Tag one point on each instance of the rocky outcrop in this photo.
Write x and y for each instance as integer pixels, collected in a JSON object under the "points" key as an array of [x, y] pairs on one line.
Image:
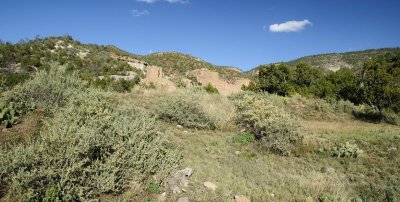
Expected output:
{"points": [[155, 75], [206, 76]]}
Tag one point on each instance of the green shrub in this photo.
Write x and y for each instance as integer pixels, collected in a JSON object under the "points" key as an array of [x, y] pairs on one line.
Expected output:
{"points": [[8, 114], [244, 138], [211, 89], [272, 126], [373, 115], [184, 108], [346, 150], [47, 91], [88, 148], [153, 187], [123, 85], [344, 106]]}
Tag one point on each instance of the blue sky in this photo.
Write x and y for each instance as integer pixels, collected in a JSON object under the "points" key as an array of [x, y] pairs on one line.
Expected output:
{"points": [[241, 33]]}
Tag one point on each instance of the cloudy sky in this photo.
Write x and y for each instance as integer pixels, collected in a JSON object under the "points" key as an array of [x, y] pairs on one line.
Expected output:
{"points": [[241, 33]]}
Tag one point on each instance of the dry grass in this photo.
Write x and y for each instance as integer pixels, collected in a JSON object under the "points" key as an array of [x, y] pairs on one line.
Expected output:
{"points": [[264, 176]]}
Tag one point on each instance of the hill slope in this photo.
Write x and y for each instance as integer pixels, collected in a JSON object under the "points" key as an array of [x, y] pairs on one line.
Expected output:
{"points": [[335, 61], [102, 65]]}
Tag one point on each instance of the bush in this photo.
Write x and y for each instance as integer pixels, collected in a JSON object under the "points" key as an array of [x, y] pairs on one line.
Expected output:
{"points": [[184, 108], [373, 115], [47, 91], [346, 150], [8, 115], [244, 138], [272, 126], [88, 148], [211, 89]]}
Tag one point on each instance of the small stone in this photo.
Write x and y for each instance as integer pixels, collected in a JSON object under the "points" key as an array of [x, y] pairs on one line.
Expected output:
{"points": [[238, 153], [4, 130], [272, 195], [211, 186], [183, 199], [179, 126], [185, 131], [327, 169], [161, 197], [241, 198]]}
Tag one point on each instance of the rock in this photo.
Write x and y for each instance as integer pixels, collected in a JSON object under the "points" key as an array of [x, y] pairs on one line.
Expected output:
{"points": [[161, 197], [4, 130], [272, 195], [179, 126], [211, 186], [327, 169], [241, 198], [185, 131], [183, 199], [238, 153], [179, 180]]}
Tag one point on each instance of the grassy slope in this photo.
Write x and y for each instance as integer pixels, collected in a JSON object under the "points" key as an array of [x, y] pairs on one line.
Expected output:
{"points": [[267, 177]]}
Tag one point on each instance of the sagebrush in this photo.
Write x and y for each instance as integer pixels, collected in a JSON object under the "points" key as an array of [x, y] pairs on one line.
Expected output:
{"points": [[275, 129], [185, 109], [88, 148]]}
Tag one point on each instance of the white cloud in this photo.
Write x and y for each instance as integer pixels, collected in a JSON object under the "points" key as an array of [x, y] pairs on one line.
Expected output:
{"points": [[289, 26], [169, 1], [147, 1], [139, 13], [177, 1]]}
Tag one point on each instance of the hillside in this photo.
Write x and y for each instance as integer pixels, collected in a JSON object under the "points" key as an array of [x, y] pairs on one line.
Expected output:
{"points": [[335, 61], [109, 66], [351, 60], [179, 64]]}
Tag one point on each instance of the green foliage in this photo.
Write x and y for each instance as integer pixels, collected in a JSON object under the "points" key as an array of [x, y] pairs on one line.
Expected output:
{"points": [[276, 79], [272, 126], [185, 109], [353, 60], [9, 80], [150, 85], [243, 138], [87, 149], [346, 150], [373, 115], [123, 85], [210, 88], [153, 187], [47, 91], [8, 114], [381, 83]]}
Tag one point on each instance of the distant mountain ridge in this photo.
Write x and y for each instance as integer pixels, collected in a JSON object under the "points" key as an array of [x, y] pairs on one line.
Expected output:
{"points": [[335, 61]]}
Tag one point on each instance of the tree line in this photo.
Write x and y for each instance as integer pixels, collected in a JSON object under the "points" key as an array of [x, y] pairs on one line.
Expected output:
{"points": [[376, 84]]}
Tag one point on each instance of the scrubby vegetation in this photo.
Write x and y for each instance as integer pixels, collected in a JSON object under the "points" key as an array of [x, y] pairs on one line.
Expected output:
{"points": [[18, 61], [274, 127], [186, 110], [89, 147], [376, 84], [70, 131]]}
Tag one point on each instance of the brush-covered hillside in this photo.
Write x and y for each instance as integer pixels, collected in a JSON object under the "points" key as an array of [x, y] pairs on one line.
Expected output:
{"points": [[351, 60], [176, 63], [81, 122], [335, 61], [107, 67]]}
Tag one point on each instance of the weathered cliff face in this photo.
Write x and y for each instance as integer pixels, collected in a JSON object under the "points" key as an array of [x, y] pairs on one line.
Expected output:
{"points": [[205, 76], [155, 75]]}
